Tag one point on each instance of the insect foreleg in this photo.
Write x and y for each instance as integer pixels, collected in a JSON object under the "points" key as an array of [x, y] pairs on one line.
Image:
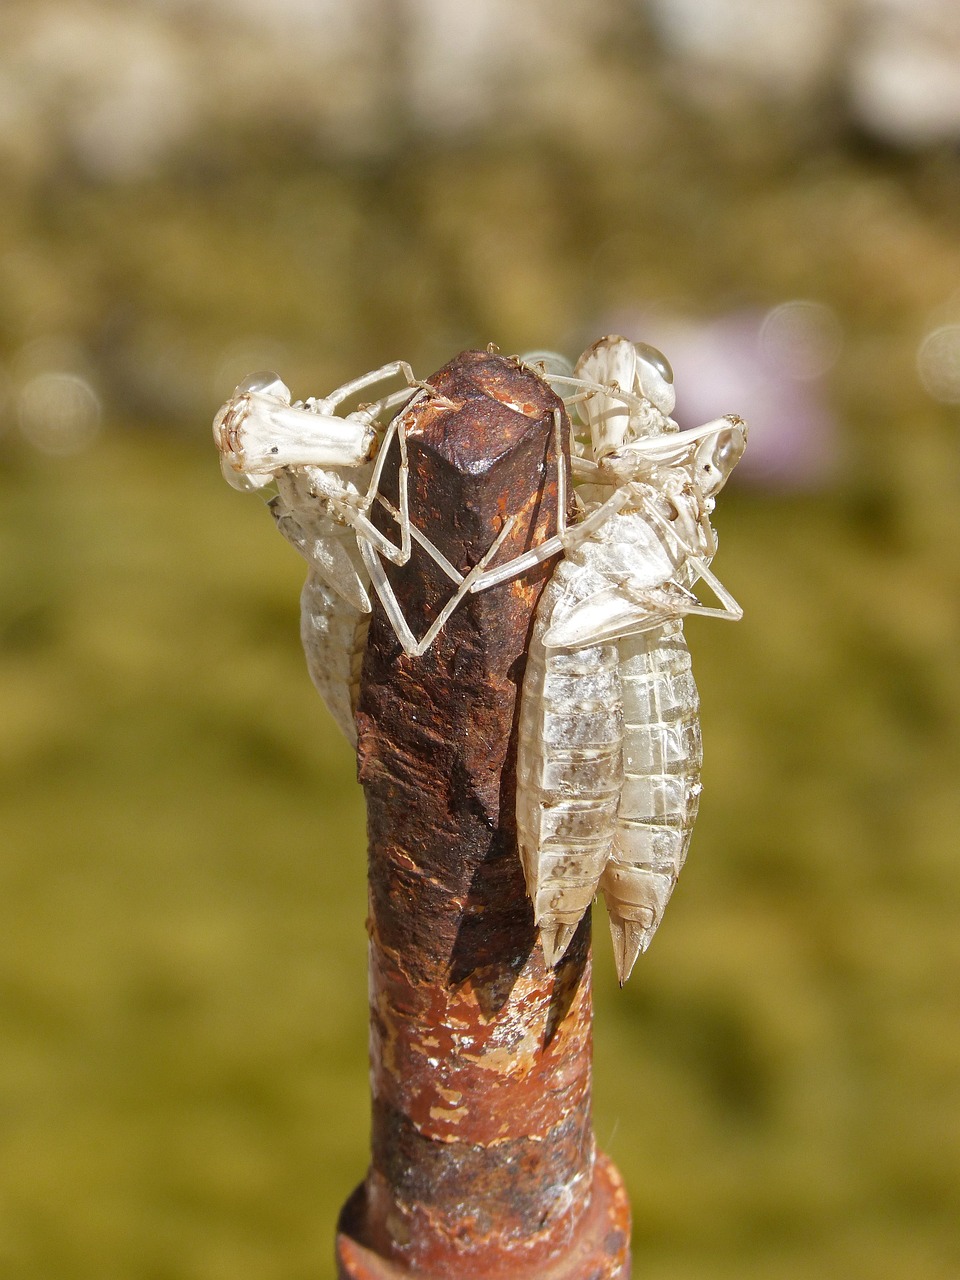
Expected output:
{"points": [[586, 389], [381, 584], [691, 558], [573, 536], [731, 610], [360, 522], [353, 512], [401, 554], [356, 385], [561, 475]]}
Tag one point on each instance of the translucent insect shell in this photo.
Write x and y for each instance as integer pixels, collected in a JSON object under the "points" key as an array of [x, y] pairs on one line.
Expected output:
{"points": [[609, 745], [326, 481], [609, 749]]}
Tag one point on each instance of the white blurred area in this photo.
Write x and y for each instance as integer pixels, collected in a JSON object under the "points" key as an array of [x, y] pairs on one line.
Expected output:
{"points": [[59, 413], [50, 393], [895, 64], [115, 94], [117, 88], [905, 73], [938, 363], [748, 47]]}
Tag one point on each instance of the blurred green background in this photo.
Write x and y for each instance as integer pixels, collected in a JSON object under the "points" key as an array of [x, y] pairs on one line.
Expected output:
{"points": [[197, 188]]}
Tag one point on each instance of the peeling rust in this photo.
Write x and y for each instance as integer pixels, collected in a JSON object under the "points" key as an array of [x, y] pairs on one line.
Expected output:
{"points": [[483, 1159]]}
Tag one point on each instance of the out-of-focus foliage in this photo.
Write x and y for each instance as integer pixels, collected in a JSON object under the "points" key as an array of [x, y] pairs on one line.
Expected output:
{"points": [[183, 1021]]}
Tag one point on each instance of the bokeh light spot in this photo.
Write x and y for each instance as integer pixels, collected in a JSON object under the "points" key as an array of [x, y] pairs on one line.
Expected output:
{"points": [[59, 413], [938, 363], [802, 339]]}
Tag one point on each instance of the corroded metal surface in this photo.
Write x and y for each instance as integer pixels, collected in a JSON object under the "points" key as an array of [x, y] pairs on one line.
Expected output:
{"points": [[483, 1159], [598, 1249]]}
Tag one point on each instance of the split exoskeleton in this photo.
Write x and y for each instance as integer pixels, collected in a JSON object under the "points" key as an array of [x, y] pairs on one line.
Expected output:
{"points": [[326, 469], [609, 746], [609, 753]]}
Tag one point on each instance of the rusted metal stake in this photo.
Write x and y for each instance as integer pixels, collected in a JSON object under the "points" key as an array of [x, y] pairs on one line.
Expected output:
{"points": [[483, 1158]]}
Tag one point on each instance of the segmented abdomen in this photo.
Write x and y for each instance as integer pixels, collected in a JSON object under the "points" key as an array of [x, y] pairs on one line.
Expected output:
{"points": [[609, 753], [662, 756], [568, 767]]}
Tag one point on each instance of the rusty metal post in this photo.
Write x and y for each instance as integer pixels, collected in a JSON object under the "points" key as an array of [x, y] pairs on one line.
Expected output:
{"points": [[483, 1158]]}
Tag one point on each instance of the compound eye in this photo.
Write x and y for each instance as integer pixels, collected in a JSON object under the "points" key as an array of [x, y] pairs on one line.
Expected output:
{"points": [[656, 358], [718, 457], [655, 377], [729, 451], [265, 383]]}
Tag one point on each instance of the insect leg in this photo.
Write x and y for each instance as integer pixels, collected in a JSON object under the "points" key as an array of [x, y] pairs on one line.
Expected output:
{"points": [[513, 568], [421, 538], [561, 475], [732, 611], [467, 584], [395, 398], [572, 537], [401, 554], [464, 587], [356, 385], [369, 535], [381, 584], [615, 392], [701, 571]]}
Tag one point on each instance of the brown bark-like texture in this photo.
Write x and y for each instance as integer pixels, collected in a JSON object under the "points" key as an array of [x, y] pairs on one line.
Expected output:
{"points": [[483, 1159]]}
